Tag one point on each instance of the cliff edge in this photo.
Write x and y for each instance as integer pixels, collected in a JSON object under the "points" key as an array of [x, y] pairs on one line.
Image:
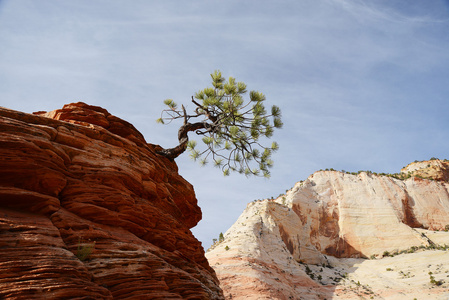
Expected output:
{"points": [[89, 210]]}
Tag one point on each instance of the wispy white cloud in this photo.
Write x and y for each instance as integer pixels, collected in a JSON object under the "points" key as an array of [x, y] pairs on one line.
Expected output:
{"points": [[362, 84]]}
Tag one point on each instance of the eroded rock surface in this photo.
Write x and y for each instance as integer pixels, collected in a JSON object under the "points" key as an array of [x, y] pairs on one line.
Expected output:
{"points": [[322, 238], [433, 169], [361, 215], [78, 181]]}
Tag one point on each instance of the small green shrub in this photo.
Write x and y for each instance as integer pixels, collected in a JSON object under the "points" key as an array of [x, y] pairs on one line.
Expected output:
{"points": [[405, 275], [435, 282], [308, 271], [412, 249], [84, 250]]}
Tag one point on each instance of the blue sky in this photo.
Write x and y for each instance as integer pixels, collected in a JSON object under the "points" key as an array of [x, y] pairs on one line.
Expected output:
{"points": [[363, 85]]}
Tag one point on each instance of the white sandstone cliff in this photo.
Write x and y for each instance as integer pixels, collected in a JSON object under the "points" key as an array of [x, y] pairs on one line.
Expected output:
{"points": [[314, 241]]}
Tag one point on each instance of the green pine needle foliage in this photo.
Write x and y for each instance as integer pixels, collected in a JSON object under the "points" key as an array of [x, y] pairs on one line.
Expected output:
{"points": [[234, 128]]}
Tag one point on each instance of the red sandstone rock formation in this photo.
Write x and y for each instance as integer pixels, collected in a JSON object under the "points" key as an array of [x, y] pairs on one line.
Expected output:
{"points": [[77, 181]]}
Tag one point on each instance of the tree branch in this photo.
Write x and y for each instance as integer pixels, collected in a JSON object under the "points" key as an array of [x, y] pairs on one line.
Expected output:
{"points": [[183, 138], [207, 112]]}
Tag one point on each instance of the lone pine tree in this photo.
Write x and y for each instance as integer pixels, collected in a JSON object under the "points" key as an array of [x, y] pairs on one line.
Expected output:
{"points": [[231, 129]]}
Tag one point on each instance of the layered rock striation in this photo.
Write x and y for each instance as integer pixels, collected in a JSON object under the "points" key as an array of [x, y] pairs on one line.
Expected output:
{"points": [[89, 210], [304, 244]]}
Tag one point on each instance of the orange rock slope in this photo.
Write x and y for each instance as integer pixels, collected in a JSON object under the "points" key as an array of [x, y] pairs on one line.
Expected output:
{"points": [[89, 210]]}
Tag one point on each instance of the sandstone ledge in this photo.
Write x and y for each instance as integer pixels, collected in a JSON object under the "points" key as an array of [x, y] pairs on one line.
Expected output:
{"points": [[78, 176]]}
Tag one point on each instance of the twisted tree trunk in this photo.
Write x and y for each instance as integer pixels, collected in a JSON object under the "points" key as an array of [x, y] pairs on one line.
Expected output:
{"points": [[183, 138]]}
